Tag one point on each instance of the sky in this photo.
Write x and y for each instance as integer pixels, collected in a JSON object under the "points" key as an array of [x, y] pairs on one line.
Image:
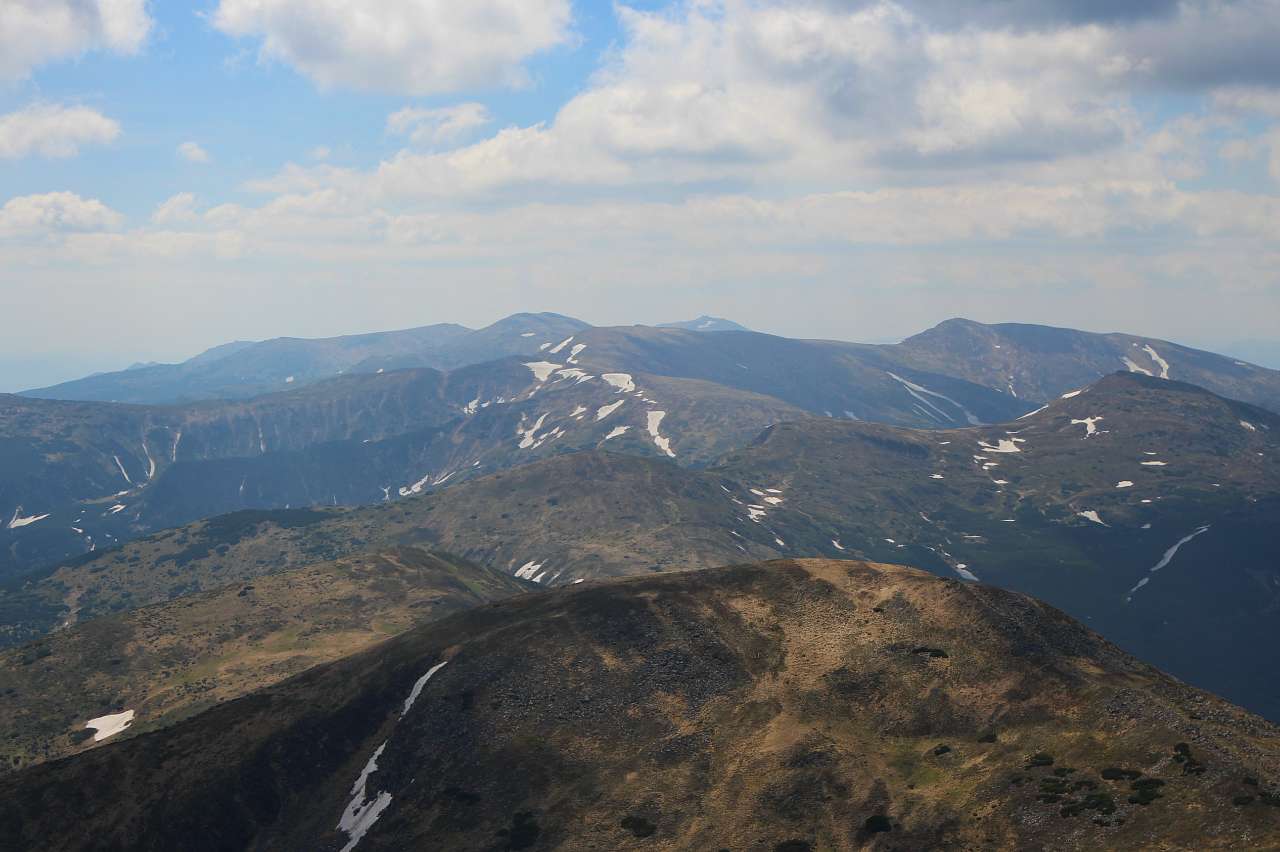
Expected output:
{"points": [[174, 174]]}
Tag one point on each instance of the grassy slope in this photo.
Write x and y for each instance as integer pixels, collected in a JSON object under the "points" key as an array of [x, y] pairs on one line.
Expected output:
{"points": [[171, 660], [749, 707]]}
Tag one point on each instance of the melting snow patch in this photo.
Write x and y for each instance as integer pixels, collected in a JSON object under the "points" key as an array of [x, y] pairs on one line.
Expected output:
{"points": [[361, 813], [542, 370], [916, 390], [654, 422], [1165, 560], [562, 344], [963, 571], [1246, 424], [621, 381], [119, 507], [605, 410], [1072, 394], [1124, 483], [575, 373], [617, 432], [288, 380], [780, 542], [122, 470], [575, 352], [1091, 515], [1090, 425], [527, 435], [528, 569], [836, 544], [417, 687], [1003, 445], [935, 476], [756, 513], [1160, 362], [1134, 368], [1029, 413], [1153, 464], [109, 726], [17, 521]]}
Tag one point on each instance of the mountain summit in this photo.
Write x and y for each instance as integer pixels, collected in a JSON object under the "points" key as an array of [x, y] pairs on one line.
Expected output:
{"points": [[705, 323]]}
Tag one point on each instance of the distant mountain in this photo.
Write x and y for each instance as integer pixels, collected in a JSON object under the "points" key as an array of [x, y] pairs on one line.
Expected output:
{"points": [[84, 475], [171, 660], [797, 705], [241, 370], [1145, 507], [705, 323], [1037, 362]]}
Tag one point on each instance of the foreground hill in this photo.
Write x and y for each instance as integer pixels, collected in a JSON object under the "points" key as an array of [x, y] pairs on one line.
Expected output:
{"points": [[171, 660], [1147, 508], [786, 706], [1040, 362]]}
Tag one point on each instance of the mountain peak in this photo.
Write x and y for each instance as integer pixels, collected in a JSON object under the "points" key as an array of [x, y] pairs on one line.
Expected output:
{"points": [[705, 323]]}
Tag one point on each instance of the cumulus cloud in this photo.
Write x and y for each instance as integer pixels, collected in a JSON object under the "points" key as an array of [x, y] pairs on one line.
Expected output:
{"points": [[55, 213], [34, 32], [418, 47], [430, 127], [193, 153], [53, 130], [176, 209]]}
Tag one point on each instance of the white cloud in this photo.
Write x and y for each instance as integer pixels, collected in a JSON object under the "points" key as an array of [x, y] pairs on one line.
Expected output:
{"points": [[55, 213], [413, 47], [1248, 100], [431, 127], [53, 130], [176, 209], [193, 153], [34, 32]]}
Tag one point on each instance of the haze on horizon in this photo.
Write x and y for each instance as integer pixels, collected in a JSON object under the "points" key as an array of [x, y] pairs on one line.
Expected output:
{"points": [[173, 178]]}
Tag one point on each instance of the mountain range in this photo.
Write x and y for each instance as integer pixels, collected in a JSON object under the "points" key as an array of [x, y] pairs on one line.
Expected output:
{"points": [[258, 525]]}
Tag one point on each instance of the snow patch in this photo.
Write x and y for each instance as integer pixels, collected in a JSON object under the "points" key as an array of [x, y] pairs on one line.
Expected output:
{"points": [[123, 472], [528, 569], [17, 521], [618, 431], [542, 370], [654, 422], [1092, 515], [605, 410], [361, 813], [1158, 361], [1153, 464], [1090, 425], [836, 544], [621, 381], [917, 390], [1124, 483], [1003, 445], [1165, 560], [1071, 394], [1134, 368], [1247, 425], [110, 725], [417, 687], [575, 352], [555, 350]]}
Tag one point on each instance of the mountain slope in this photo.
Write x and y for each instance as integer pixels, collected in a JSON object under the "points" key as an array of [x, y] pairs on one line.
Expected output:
{"points": [[787, 706], [1039, 506], [240, 371], [1038, 362], [169, 661]]}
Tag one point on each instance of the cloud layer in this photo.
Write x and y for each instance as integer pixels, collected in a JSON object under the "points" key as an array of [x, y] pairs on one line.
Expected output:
{"points": [[34, 32], [419, 47]]}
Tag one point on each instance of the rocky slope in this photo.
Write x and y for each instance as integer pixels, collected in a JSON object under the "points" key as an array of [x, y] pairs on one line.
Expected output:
{"points": [[168, 661], [787, 706]]}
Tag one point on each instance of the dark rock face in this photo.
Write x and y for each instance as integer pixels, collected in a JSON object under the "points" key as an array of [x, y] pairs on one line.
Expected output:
{"points": [[706, 710]]}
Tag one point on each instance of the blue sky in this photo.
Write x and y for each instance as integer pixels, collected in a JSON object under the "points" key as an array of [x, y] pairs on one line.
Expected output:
{"points": [[856, 170]]}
